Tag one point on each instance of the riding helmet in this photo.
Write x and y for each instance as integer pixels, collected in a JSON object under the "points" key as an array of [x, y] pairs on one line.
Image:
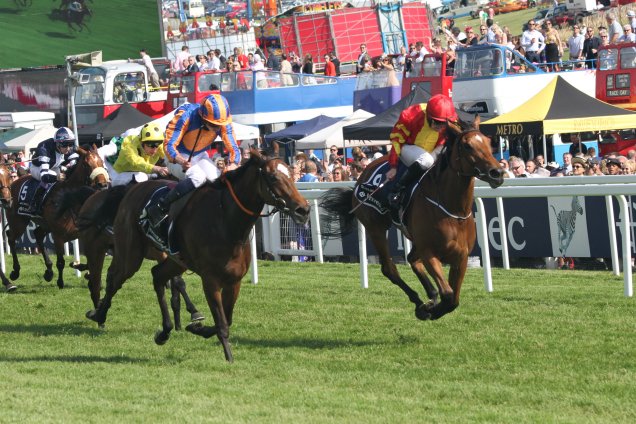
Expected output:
{"points": [[151, 132], [215, 110], [63, 135], [441, 108]]}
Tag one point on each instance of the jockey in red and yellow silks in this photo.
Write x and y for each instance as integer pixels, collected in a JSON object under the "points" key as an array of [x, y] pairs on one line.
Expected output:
{"points": [[189, 135], [417, 138]]}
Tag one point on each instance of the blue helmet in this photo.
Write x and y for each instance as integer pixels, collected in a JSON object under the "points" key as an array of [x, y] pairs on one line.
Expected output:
{"points": [[64, 135]]}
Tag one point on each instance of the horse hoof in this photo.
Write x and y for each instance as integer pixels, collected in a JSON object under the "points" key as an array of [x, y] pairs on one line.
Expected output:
{"points": [[60, 284], [48, 275], [197, 316], [101, 326], [161, 337], [92, 315], [14, 275], [11, 288], [422, 313], [193, 326]]}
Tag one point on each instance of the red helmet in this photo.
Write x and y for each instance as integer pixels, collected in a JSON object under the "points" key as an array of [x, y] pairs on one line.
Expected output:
{"points": [[441, 108]]}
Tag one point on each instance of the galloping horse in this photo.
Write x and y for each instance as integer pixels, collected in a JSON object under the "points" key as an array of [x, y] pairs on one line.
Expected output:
{"points": [[97, 214], [211, 232], [89, 170], [438, 220], [5, 203]]}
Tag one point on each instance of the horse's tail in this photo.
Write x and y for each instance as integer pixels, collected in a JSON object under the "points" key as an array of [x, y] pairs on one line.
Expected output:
{"points": [[101, 211], [336, 203], [72, 198]]}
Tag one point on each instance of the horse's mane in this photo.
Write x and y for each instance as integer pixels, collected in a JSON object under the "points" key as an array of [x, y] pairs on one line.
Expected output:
{"points": [[255, 160], [443, 160]]}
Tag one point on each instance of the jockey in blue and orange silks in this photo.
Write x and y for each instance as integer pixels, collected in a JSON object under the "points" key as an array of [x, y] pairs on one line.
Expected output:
{"points": [[417, 138], [189, 135]]}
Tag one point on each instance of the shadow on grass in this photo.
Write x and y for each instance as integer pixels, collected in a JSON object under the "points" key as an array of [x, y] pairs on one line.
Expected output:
{"points": [[45, 330], [77, 359], [7, 11], [317, 344], [59, 35]]}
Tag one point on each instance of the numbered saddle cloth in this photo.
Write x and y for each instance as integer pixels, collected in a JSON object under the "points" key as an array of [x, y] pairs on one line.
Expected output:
{"points": [[26, 197], [364, 191]]}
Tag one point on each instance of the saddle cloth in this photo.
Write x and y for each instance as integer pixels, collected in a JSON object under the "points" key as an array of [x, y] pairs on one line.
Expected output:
{"points": [[379, 201], [163, 237], [26, 196]]}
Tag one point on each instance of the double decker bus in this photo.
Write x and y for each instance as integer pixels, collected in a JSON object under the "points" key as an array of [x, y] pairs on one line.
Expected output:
{"points": [[616, 75]]}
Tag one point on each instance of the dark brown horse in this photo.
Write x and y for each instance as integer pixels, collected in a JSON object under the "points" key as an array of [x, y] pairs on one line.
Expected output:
{"points": [[94, 223], [88, 171], [212, 233], [439, 219], [5, 203]]}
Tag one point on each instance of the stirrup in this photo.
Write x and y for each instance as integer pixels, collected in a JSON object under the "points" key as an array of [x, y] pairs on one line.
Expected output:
{"points": [[154, 214]]}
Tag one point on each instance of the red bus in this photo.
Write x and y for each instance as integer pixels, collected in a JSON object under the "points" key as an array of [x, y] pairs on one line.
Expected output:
{"points": [[616, 75]]}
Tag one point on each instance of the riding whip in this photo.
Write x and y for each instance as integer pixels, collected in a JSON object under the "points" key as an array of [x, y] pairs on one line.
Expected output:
{"points": [[195, 145]]}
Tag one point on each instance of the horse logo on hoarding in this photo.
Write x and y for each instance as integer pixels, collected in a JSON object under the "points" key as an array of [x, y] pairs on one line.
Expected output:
{"points": [[566, 224]]}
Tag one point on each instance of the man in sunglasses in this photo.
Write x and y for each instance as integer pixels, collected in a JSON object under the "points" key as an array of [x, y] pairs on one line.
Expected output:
{"points": [[52, 157], [189, 136], [139, 155]]}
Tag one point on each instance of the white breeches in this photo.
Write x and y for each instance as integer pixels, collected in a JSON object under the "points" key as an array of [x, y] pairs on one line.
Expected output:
{"points": [[37, 172], [411, 153], [201, 170], [126, 177]]}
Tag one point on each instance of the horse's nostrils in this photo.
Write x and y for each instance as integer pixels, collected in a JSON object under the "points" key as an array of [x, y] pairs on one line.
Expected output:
{"points": [[302, 214], [496, 177]]}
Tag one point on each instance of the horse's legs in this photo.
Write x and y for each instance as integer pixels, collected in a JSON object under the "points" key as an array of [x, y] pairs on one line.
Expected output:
{"points": [[178, 287], [379, 240], [16, 229], [59, 262], [449, 293], [95, 255], [161, 273], [418, 268], [212, 290], [175, 303], [118, 272], [39, 233], [230, 296]]}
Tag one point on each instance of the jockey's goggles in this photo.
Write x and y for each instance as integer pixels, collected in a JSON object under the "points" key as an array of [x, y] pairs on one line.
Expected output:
{"points": [[66, 144], [153, 145]]}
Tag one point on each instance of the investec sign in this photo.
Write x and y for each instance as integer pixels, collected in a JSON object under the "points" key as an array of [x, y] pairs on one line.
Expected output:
{"points": [[509, 129]]}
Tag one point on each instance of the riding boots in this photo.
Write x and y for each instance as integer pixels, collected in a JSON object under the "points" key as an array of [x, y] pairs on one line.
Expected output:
{"points": [[157, 213], [412, 173]]}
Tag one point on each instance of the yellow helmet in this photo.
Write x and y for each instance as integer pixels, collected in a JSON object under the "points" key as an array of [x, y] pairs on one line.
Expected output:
{"points": [[151, 132]]}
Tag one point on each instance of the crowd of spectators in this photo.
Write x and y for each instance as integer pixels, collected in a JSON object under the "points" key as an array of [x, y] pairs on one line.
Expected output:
{"points": [[16, 163]]}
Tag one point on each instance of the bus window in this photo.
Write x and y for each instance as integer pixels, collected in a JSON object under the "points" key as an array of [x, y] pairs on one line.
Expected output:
{"points": [[628, 58], [129, 87], [227, 81], [91, 92], [607, 59], [209, 82], [175, 85], [244, 80], [187, 84]]}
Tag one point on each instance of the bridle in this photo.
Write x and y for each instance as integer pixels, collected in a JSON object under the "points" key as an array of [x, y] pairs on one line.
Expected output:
{"points": [[266, 181], [461, 151]]}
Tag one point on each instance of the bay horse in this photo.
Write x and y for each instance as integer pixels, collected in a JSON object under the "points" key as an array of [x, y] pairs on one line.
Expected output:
{"points": [[212, 233], [5, 204], [94, 225], [438, 220], [89, 170]]}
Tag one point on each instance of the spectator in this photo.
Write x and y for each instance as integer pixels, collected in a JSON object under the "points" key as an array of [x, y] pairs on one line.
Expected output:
{"points": [[567, 163], [594, 167], [336, 62], [338, 174], [590, 48], [613, 166], [553, 47], [631, 18], [575, 45], [184, 54], [286, 71], [628, 36], [518, 168], [222, 59], [579, 167], [192, 66], [532, 42], [311, 171], [363, 58], [273, 62], [577, 146], [330, 68], [531, 166], [615, 31], [504, 164]]}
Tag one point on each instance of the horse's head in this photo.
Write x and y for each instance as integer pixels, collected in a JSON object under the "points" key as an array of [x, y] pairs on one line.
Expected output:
{"points": [[90, 169], [5, 186], [278, 189], [471, 153]]}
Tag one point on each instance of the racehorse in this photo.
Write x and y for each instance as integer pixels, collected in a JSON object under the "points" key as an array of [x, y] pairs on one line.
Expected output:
{"points": [[89, 170], [5, 203], [438, 220], [76, 13], [95, 217], [211, 233]]}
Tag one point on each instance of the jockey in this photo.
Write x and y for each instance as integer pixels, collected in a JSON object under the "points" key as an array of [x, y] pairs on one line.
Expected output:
{"points": [[52, 157], [138, 156], [417, 138], [189, 135]]}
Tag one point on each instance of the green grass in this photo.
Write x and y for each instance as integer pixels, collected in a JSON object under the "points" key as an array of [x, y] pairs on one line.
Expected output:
{"points": [[118, 27], [311, 346]]}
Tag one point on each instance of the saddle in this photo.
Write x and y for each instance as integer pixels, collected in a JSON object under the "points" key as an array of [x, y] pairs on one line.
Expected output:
{"points": [[27, 195], [374, 191], [163, 236]]}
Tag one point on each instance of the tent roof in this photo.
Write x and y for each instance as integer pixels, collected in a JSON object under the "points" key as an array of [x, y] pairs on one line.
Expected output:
{"points": [[332, 135], [379, 127], [30, 139], [560, 108], [116, 123], [298, 131]]}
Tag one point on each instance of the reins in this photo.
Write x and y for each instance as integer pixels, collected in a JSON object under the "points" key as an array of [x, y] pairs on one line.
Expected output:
{"points": [[238, 202]]}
